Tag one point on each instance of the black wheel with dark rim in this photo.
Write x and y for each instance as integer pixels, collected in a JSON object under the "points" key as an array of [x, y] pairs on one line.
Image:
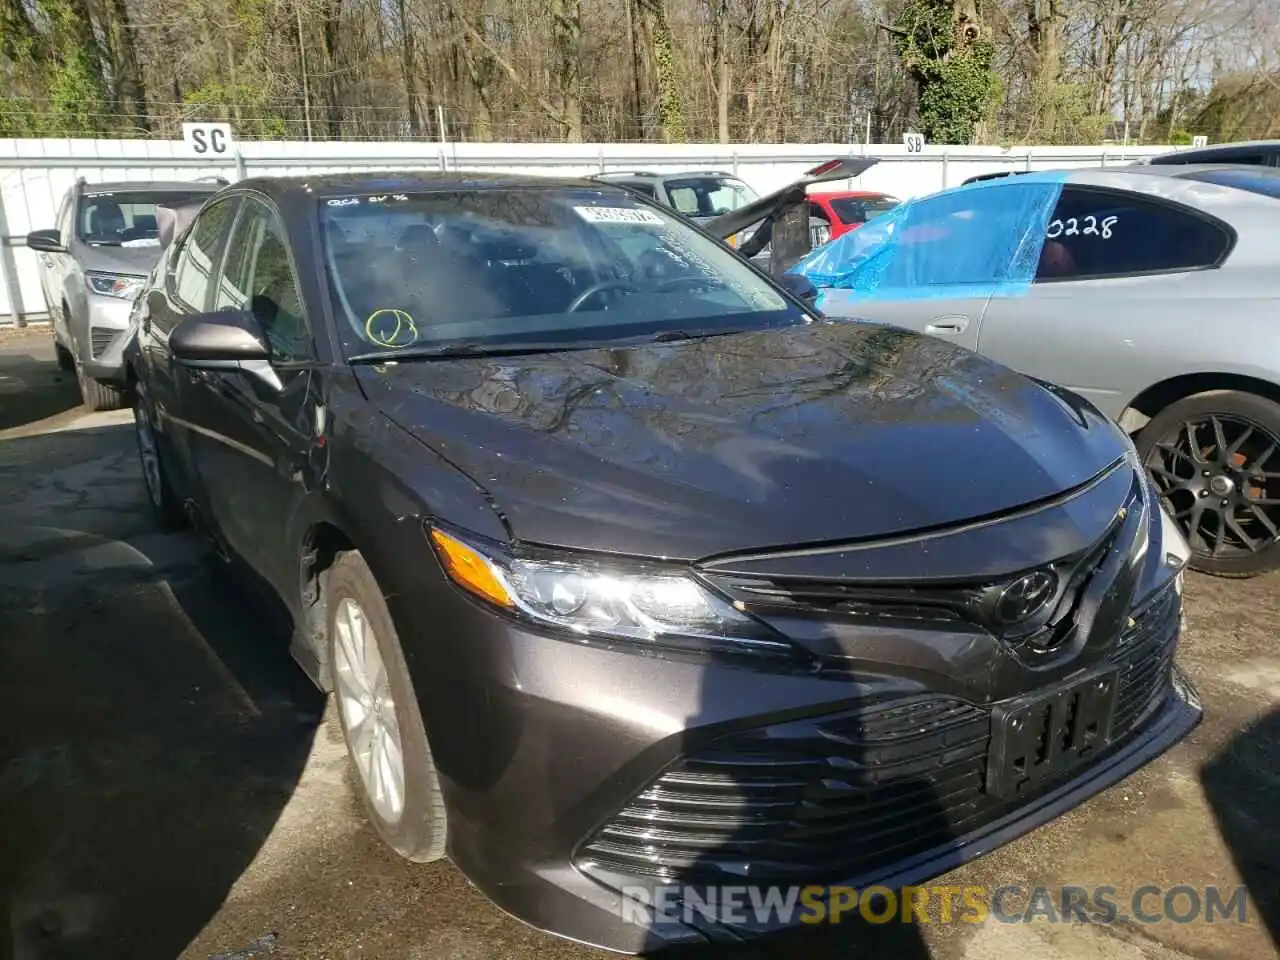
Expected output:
{"points": [[164, 504], [1215, 457]]}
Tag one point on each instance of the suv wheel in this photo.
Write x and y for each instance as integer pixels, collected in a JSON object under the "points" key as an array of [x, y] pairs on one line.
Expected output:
{"points": [[381, 722], [98, 396]]}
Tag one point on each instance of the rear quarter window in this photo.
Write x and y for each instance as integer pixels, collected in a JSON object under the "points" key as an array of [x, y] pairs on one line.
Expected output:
{"points": [[1096, 233]]}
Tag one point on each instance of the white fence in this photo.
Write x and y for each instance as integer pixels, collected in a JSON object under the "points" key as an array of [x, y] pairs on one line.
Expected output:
{"points": [[34, 174]]}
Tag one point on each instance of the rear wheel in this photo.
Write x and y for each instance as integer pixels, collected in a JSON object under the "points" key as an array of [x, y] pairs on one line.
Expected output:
{"points": [[164, 504], [1215, 458], [378, 709]]}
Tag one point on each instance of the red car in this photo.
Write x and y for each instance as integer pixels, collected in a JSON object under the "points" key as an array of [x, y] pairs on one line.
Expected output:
{"points": [[845, 210]]}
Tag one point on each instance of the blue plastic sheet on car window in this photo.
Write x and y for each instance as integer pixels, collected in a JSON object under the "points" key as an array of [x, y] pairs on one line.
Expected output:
{"points": [[981, 239]]}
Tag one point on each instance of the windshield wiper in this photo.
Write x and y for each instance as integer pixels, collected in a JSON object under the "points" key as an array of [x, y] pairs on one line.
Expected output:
{"points": [[669, 336], [463, 350]]}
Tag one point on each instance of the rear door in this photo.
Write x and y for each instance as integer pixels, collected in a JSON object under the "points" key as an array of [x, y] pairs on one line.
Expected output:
{"points": [[1126, 285], [186, 290]]}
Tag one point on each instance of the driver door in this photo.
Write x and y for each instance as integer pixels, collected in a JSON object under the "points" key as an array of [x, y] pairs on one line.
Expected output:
{"points": [[265, 419]]}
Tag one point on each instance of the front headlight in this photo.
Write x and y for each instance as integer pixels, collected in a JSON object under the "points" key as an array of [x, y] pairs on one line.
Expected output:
{"points": [[114, 285], [598, 598]]}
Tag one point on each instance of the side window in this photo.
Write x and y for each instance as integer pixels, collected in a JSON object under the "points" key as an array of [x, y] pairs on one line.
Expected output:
{"points": [[647, 189], [199, 255], [258, 277], [973, 236], [1103, 233]]}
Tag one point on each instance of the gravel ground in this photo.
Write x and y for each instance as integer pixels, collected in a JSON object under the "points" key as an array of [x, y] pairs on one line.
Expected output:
{"points": [[170, 785]]}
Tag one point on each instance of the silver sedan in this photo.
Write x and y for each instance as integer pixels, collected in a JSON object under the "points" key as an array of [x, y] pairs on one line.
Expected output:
{"points": [[1153, 291]]}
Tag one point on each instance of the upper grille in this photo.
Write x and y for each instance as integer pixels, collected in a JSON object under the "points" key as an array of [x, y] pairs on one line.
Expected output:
{"points": [[841, 795], [100, 339]]}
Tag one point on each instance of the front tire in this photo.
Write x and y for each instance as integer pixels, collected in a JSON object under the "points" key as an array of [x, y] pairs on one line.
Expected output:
{"points": [[65, 360], [1215, 458], [99, 396], [381, 723]]}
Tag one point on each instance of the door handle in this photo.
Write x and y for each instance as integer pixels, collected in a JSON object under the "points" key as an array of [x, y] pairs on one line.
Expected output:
{"points": [[947, 326]]}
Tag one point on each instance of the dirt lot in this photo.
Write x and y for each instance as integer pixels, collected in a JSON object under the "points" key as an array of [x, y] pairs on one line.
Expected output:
{"points": [[171, 787]]}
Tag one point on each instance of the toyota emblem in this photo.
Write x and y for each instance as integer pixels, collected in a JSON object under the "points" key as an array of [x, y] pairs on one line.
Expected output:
{"points": [[1025, 597]]}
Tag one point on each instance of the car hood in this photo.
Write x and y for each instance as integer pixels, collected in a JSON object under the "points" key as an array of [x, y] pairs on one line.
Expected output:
{"points": [[127, 260], [820, 433]]}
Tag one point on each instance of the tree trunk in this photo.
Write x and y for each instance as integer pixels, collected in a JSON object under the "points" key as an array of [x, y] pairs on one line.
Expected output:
{"points": [[130, 91], [566, 27], [670, 97]]}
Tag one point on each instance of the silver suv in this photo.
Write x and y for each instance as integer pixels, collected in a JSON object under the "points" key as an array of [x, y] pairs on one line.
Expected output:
{"points": [[93, 263]]}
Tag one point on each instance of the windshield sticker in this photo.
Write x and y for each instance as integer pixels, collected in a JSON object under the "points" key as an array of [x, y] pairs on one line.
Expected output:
{"points": [[391, 328], [1082, 227], [344, 202], [618, 215]]}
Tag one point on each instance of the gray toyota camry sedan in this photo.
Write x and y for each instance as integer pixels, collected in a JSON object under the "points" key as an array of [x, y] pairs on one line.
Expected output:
{"points": [[632, 576]]}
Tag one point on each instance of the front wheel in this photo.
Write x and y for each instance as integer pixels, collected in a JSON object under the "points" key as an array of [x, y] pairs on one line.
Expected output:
{"points": [[378, 709], [1215, 457], [98, 396]]}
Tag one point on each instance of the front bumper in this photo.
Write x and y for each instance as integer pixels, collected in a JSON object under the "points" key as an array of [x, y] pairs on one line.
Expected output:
{"points": [[571, 771], [102, 350]]}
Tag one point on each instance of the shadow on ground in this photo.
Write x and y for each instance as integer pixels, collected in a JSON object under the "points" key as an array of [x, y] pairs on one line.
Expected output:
{"points": [[1242, 784], [33, 388], [154, 732]]}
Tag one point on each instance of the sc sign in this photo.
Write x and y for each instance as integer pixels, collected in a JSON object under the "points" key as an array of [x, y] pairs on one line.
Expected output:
{"points": [[208, 139]]}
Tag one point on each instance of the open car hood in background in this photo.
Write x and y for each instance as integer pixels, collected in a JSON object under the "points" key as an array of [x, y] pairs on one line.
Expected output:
{"points": [[787, 212]]}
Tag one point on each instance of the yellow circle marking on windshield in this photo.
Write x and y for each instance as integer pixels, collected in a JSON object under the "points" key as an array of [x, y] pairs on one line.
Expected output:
{"points": [[403, 323]]}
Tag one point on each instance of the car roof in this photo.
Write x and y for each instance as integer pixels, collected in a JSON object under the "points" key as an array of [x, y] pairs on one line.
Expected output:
{"points": [[151, 186], [304, 186], [1243, 146], [651, 175], [1190, 169], [853, 194]]}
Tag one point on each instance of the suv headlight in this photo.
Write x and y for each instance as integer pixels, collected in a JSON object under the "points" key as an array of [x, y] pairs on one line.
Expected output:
{"points": [[589, 598], [117, 285]]}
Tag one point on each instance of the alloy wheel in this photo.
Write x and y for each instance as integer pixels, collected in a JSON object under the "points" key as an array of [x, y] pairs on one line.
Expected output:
{"points": [[368, 711], [1220, 477]]}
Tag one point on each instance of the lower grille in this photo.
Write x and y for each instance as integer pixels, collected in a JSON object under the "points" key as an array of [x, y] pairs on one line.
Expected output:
{"points": [[100, 339], [842, 795]]}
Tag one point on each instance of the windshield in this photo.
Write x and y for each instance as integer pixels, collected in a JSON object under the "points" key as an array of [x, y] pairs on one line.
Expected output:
{"points": [[127, 218], [862, 209], [505, 266], [708, 196]]}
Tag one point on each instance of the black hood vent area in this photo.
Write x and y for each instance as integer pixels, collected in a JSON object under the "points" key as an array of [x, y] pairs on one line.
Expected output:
{"points": [[840, 797]]}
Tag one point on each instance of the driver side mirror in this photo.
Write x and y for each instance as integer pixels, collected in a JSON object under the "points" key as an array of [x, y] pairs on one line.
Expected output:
{"points": [[224, 340], [46, 241], [800, 287]]}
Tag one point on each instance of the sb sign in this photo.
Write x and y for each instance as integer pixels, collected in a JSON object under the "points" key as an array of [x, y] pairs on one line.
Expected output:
{"points": [[208, 139]]}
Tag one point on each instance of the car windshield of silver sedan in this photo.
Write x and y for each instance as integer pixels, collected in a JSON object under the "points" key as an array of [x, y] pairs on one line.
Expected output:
{"points": [[494, 268]]}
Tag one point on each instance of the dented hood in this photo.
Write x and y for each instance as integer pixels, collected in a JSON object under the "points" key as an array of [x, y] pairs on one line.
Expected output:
{"points": [[819, 433]]}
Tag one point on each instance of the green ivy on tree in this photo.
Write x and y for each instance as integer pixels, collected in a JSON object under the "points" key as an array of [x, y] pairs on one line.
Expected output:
{"points": [[950, 59]]}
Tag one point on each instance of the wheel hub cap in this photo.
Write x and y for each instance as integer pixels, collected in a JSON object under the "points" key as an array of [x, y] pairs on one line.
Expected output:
{"points": [[1220, 478], [367, 705]]}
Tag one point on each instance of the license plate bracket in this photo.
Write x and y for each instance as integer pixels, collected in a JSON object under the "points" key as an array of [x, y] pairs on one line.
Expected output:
{"points": [[1043, 735]]}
